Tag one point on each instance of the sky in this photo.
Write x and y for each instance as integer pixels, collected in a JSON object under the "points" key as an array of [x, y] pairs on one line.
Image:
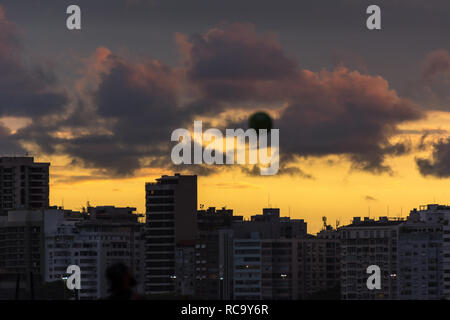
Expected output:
{"points": [[363, 114]]}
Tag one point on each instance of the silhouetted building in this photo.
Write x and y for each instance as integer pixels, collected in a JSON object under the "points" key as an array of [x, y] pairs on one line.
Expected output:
{"points": [[286, 268], [265, 256], [24, 184], [184, 279], [22, 247], [270, 225], [420, 260], [318, 271], [94, 241], [209, 277], [171, 219], [226, 263], [431, 215], [279, 269], [364, 243], [247, 268]]}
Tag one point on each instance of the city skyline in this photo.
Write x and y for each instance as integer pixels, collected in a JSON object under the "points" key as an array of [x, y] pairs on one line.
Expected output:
{"points": [[315, 225], [363, 115], [312, 214], [212, 253]]}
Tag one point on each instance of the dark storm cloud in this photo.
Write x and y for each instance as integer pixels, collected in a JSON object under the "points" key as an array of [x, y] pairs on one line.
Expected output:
{"points": [[432, 87], [236, 52], [23, 92], [136, 107], [285, 169], [439, 164], [8, 143], [436, 62], [348, 113], [436, 78], [233, 63], [340, 112], [124, 122]]}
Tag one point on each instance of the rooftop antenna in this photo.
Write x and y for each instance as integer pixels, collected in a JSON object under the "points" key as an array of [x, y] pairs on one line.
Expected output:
{"points": [[338, 223], [324, 219], [289, 211]]}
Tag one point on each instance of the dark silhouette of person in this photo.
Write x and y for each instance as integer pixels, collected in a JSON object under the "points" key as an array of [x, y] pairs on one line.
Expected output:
{"points": [[121, 282]]}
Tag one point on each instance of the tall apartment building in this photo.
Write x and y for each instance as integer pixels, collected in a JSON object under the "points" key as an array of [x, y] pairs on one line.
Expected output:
{"points": [[431, 215], [226, 263], [95, 240], [279, 269], [364, 243], [171, 219], [285, 269], [185, 269], [24, 184], [318, 270], [413, 255], [420, 260], [247, 283], [22, 249], [209, 277], [265, 256]]}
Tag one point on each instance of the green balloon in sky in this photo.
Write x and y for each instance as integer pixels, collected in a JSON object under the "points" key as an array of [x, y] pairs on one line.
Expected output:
{"points": [[260, 120]]}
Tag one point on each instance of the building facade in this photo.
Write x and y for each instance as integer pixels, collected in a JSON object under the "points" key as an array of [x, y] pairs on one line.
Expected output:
{"points": [[247, 284], [318, 271], [364, 243], [431, 215], [93, 241], [210, 279], [420, 260], [171, 219], [22, 249], [24, 184]]}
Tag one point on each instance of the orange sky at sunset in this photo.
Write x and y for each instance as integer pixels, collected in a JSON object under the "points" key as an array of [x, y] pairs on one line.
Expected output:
{"points": [[335, 190]]}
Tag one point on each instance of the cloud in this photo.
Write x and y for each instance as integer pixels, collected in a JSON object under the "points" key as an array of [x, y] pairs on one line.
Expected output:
{"points": [[339, 112], [432, 88], [370, 198], [23, 92], [347, 113], [234, 63], [436, 78], [123, 111], [126, 113], [436, 62], [235, 185], [439, 164], [235, 52], [8, 143]]}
